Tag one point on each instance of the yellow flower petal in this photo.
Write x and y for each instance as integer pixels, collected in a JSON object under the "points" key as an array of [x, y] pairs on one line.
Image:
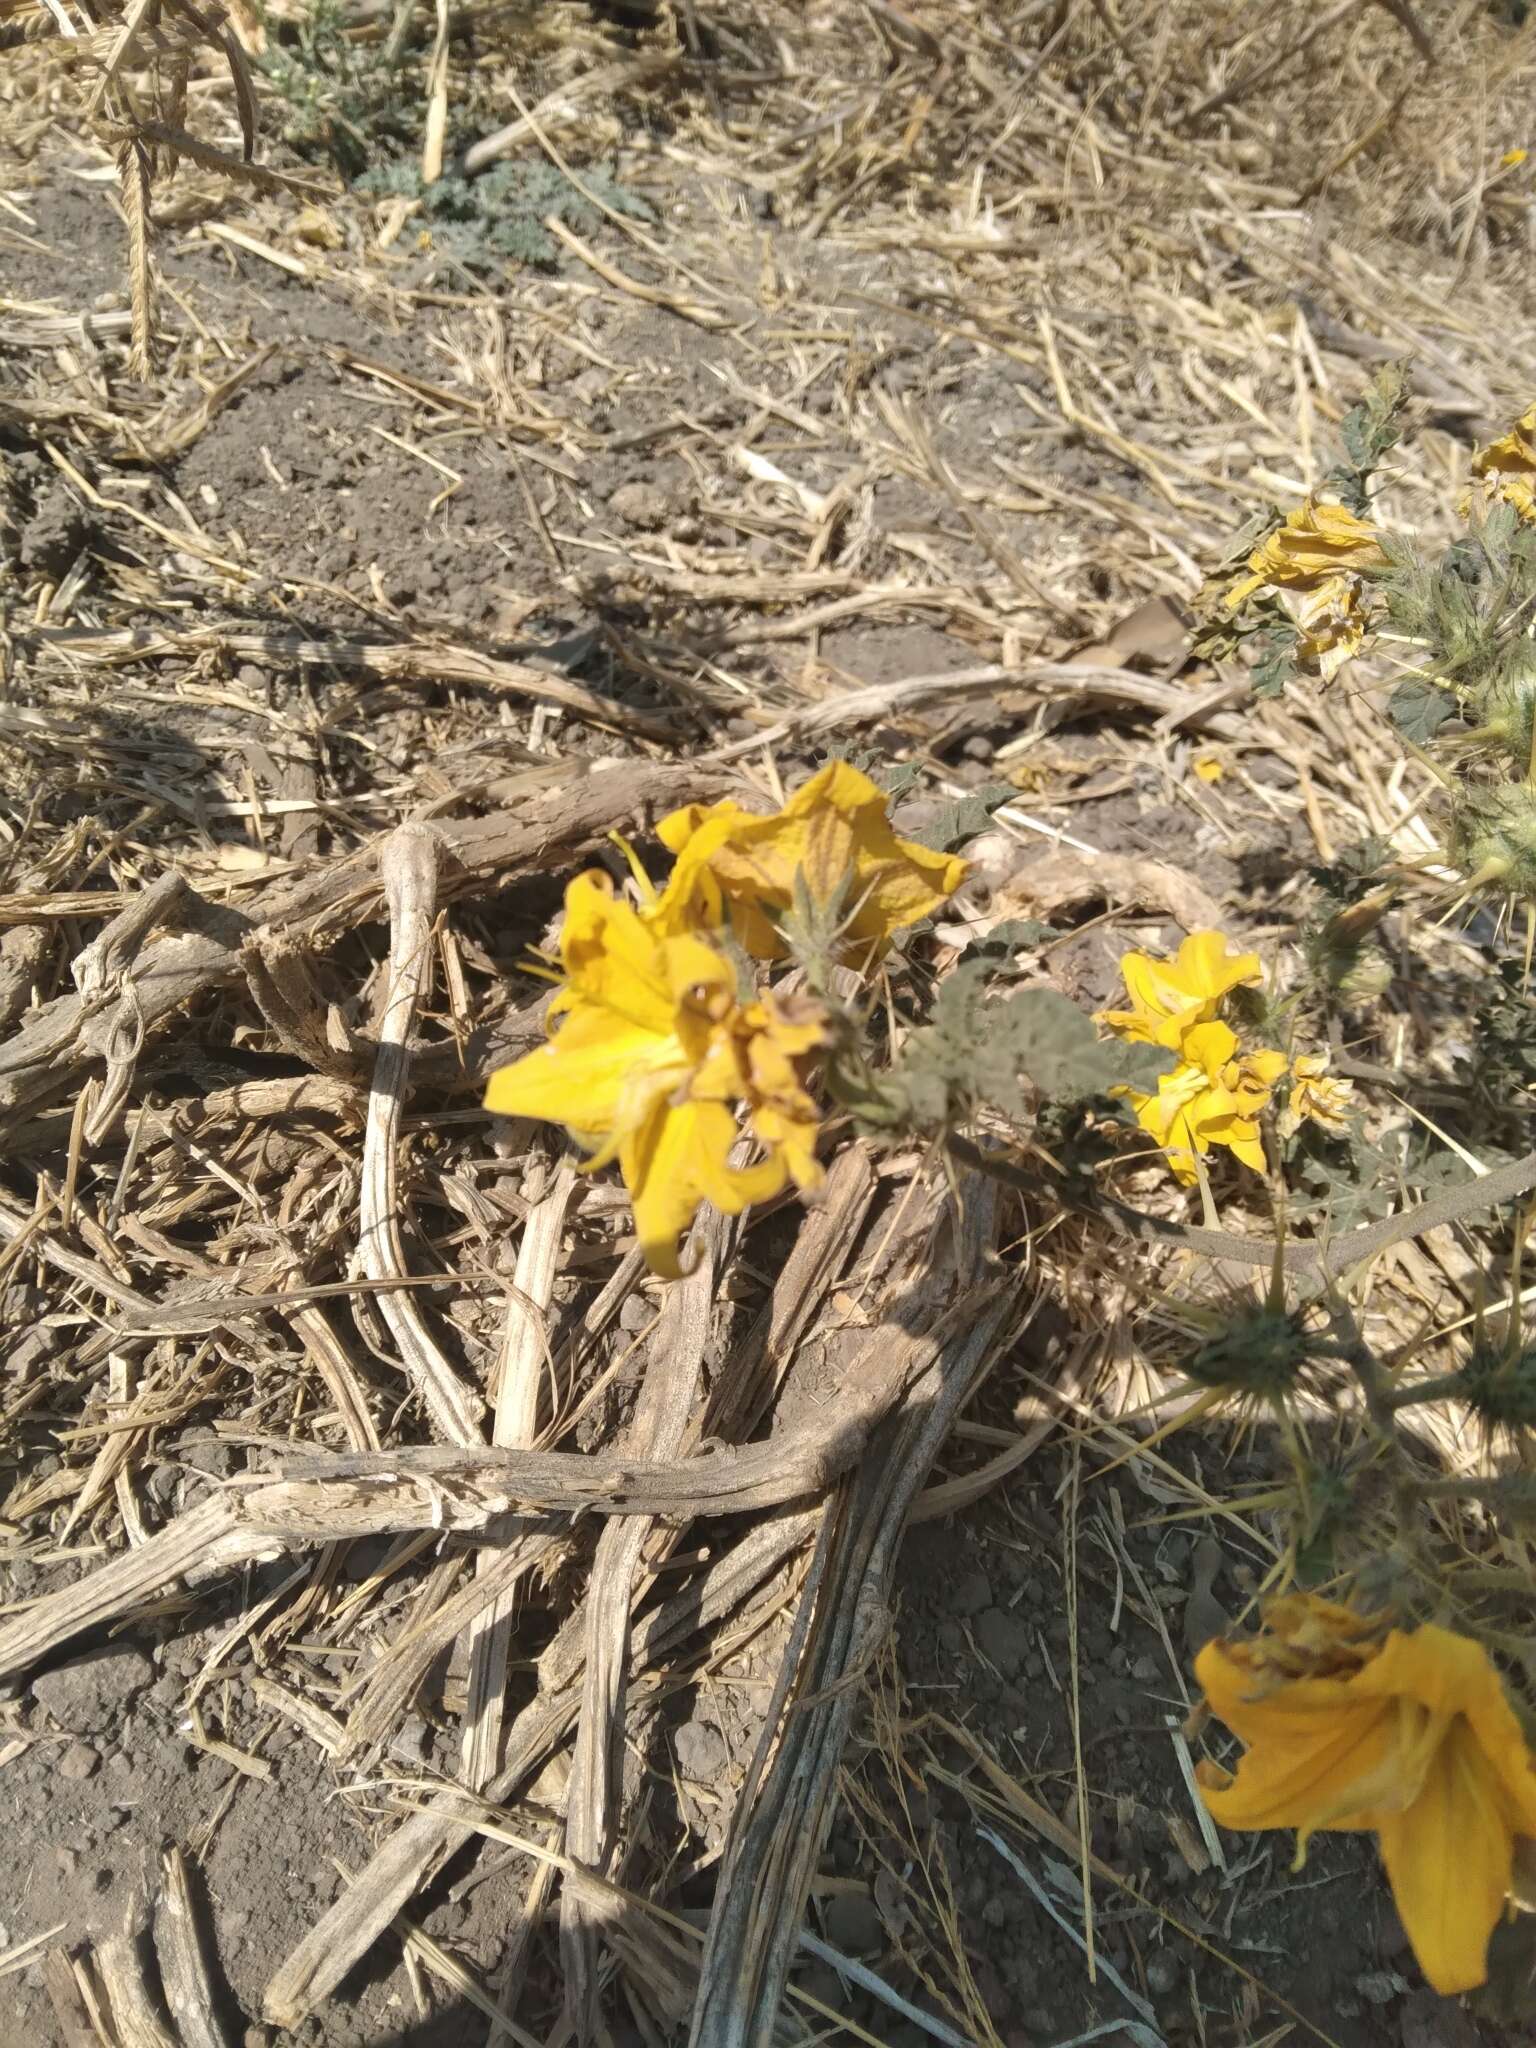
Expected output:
{"points": [[1317, 1094], [610, 957], [1210, 1047], [1242, 1140], [1331, 623], [783, 1116], [1303, 1766], [579, 1078], [678, 1159], [1315, 542], [1507, 466], [1262, 1069], [834, 834], [1170, 997], [1449, 1859], [1411, 1736]]}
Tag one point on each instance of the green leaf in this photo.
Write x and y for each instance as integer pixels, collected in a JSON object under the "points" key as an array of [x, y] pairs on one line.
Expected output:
{"points": [[966, 818], [1053, 1042], [1373, 428], [1276, 665], [1013, 935], [898, 779], [1418, 708]]}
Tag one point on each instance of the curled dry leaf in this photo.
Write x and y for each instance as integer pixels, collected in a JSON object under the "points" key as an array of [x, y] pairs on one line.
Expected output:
{"points": [[1046, 885]]}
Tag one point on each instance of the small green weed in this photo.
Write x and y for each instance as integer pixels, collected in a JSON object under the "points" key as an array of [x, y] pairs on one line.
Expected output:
{"points": [[481, 223]]}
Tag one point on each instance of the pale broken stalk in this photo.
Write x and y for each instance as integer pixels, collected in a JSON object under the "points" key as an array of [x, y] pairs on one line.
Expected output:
{"points": [[524, 1350], [659, 1430], [408, 870]]}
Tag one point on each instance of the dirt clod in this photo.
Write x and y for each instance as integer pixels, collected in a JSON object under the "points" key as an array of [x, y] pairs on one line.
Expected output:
{"points": [[1004, 1640], [89, 1695]]}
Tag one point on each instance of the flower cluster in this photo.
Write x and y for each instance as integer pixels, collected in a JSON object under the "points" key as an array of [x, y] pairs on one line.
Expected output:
{"points": [[1314, 564], [1216, 1094], [666, 1052], [1353, 1726]]}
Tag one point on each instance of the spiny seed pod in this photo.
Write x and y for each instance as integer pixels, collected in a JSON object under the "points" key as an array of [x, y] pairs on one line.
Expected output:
{"points": [[1492, 839], [1366, 977], [1499, 1386], [1509, 719], [1340, 952], [1262, 1354]]}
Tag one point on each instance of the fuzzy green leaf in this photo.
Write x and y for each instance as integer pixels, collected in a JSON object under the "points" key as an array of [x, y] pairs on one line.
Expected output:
{"points": [[977, 1050], [1276, 665], [1013, 935], [1418, 708], [964, 819]]}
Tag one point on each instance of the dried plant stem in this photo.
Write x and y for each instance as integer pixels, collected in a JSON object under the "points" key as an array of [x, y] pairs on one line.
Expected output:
{"points": [[660, 1425], [183, 1962], [408, 866], [782, 1815], [565, 815], [64, 1995], [120, 1964], [524, 1355], [1328, 1257], [442, 1487], [420, 1845]]}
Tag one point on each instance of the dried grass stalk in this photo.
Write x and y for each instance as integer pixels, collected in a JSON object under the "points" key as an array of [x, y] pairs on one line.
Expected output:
{"points": [[524, 1355], [133, 177], [408, 867], [667, 1397], [184, 1968], [122, 1967]]}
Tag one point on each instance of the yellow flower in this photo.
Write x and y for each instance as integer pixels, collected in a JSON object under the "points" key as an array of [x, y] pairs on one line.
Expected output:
{"points": [[1170, 997], [1210, 1098], [1330, 623], [1208, 767], [1316, 542], [1408, 1736], [654, 1053], [1512, 158], [834, 833], [1507, 467], [1317, 1094]]}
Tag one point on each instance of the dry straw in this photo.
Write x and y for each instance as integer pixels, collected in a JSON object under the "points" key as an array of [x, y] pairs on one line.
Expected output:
{"points": [[1174, 256]]}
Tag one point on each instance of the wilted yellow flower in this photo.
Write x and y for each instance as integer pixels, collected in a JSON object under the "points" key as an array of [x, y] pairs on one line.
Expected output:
{"points": [[1507, 467], [1409, 1736], [834, 833], [1212, 1097], [1330, 623], [1317, 1094], [778, 1033], [1170, 997], [1316, 542], [654, 1053]]}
